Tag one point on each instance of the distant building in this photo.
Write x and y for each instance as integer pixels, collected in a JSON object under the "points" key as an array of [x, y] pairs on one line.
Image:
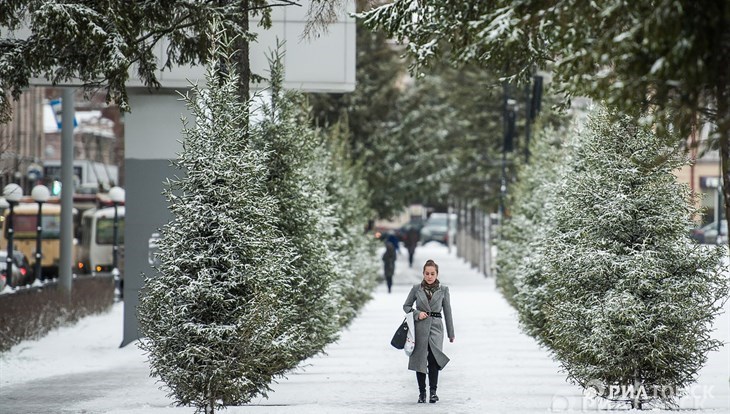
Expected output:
{"points": [[703, 175], [22, 141], [30, 144]]}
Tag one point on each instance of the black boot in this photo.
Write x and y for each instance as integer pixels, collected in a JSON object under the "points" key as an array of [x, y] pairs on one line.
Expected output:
{"points": [[433, 397], [422, 396]]}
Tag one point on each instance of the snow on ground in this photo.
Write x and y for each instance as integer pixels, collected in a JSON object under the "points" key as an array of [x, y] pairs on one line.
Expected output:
{"points": [[494, 367]]}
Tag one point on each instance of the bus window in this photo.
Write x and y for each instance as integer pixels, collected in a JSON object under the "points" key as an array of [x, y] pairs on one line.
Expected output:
{"points": [[105, 231], [24, 227], [86, 231], [51, 227]]}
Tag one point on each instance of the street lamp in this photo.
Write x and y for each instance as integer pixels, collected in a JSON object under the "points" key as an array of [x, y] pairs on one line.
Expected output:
{"points": [[40, 194], [116, 194], [12, 193]]}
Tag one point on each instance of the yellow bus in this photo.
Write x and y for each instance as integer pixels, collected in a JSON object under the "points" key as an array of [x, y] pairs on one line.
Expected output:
{"points": [[25, 216]]}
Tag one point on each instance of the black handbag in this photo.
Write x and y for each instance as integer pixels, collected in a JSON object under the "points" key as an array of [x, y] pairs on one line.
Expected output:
{"points": [[399, 338]]}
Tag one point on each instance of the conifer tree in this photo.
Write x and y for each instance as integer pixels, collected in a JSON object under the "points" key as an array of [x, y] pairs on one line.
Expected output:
{"points": [[630, 297], [526, 277], [354, 250], [530, 199], [302, 213], [367, 112], [216, 317]]}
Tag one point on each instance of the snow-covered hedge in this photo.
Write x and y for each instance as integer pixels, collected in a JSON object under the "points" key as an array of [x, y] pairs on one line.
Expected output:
{"points": [[31, 312]]}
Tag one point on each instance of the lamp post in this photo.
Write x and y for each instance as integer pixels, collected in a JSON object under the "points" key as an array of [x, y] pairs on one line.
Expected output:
{"points": [[40, 194], [12, 193], [116, 194]]}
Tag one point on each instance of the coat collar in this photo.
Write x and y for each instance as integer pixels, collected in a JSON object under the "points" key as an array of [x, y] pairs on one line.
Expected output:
{"points": [[436, 296]]}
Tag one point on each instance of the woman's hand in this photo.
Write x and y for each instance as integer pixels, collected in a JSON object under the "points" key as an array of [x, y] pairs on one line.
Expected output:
{"points": [[422, 316], [452, 339]]}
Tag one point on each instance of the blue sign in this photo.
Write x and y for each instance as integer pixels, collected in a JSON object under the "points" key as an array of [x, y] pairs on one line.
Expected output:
{"points": [[57, 106]]}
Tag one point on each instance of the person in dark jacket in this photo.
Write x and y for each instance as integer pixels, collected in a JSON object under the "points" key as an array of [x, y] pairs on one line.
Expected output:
{"points": [[410, 239], [432, 308], [391, 248]]}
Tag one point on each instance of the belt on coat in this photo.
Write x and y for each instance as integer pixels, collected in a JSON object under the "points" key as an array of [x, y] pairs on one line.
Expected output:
{"points": [[434, 314]]}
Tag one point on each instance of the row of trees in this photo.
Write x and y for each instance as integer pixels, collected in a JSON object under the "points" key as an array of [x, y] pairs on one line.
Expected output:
{"points": [[265, 259], [664, 63], [418, 139], [596, 256], [414, 140], [597, 260]]}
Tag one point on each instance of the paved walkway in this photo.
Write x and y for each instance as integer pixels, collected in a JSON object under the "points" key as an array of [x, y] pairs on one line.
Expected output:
{"points": [[494, 368]]}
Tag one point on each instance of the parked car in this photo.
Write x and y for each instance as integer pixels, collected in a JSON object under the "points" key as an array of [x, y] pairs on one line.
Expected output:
{"points": [[707, 234], [21, 261], [19, 272], [439, 227]]}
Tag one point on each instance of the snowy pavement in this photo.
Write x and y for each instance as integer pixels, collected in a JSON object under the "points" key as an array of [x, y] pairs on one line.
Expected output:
{"points": [[494, 367]]}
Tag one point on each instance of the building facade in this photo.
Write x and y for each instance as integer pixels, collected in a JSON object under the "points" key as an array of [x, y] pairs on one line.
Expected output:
{"points": [[703, 176], [22, 141], [30, 144]]}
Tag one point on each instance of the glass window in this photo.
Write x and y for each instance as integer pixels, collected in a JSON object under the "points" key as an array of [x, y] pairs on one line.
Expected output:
{"points": [[24, 227], [51, 227], [105, 231]]}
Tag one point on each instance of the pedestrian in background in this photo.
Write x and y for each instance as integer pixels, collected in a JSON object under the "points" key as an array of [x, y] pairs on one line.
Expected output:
{"points": [[410, 239], [432, 309], [391, 248]]}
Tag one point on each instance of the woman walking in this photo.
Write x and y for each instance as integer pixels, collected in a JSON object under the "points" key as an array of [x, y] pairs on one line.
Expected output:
{"points": [[433, 306]]}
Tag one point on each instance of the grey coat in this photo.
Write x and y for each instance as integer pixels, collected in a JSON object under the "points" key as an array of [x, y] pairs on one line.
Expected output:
{"points": [[429, 331]]}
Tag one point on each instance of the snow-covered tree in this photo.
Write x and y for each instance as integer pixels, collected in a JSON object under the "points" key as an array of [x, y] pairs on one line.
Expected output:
{"points": [[448, 128], [418, 140], [216, 319], [537, 194], [302, 213], [630, 297], [367, 112], [353, 249], [530, 201]]}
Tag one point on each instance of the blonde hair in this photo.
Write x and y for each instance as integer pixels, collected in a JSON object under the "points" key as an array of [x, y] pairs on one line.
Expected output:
{"points": [[430, 262]]}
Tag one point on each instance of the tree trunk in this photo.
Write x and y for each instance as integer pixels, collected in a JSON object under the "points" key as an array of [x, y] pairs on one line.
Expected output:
{"points": [[242, 53], [723, 130]]}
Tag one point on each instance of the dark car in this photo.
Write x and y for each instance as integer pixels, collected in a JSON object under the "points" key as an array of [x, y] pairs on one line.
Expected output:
{"points": [[26, 271], [707, 234], [21, 270]]}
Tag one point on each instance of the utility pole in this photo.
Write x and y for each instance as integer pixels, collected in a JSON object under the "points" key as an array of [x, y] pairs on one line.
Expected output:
{"points": [[67, 191]]}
